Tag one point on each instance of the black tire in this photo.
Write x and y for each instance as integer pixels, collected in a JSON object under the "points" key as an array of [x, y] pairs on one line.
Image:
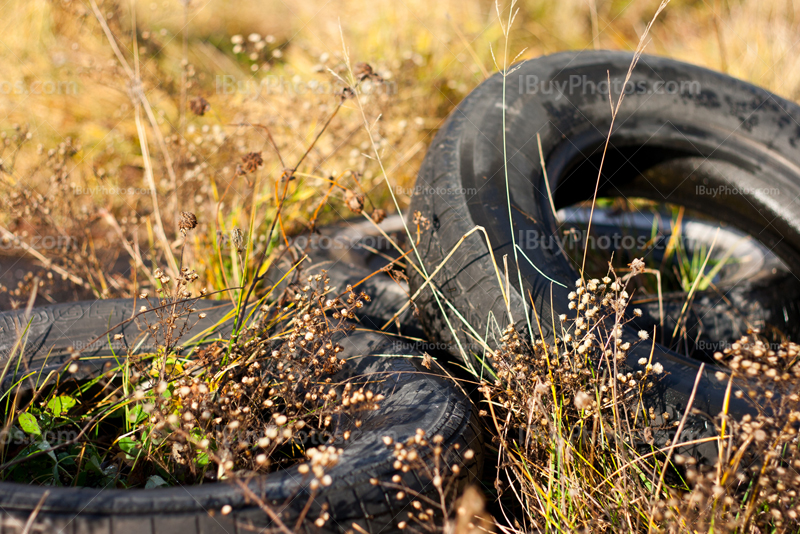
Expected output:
{"points": [[351, 251], [752, 290], [51, 334], [714, 131], [415, 398], [747, 260]]}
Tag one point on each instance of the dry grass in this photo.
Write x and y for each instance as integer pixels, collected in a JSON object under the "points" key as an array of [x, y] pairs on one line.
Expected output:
{"points": [[119, 118], [431, 56]]}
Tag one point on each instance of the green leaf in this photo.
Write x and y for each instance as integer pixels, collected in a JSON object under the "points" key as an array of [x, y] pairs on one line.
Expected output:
{"points": [[29, 424], [136, 414], [43, 446], [61, 404], [94, 463], [202, 459], [197, 435], [128, 446], [154, 482]]}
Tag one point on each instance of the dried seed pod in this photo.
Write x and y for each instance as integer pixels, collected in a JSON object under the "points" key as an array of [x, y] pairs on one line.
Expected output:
{"points": [[188, 222], [199, 106], [362, 71], [251, 162], [237, 240], [378, 215], [354, 201]]}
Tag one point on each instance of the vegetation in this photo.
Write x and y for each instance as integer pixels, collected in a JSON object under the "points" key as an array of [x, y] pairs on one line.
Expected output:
{"points": [[174, 150]]}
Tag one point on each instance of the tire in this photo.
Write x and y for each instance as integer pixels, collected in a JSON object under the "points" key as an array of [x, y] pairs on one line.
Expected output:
{"points": [[53, 332], [415, 398], [351, 251], [751, 291], [746, 260], [715, 132]]}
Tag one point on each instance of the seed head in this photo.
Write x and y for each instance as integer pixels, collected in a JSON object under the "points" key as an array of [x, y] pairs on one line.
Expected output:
{"points": [[199, 106], [354, 201], [378, 215], [362, 71], [188, 222], [237, 239], [251, 162], [582, 400]]}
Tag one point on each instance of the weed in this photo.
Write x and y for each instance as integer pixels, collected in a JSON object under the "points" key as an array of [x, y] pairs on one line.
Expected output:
{"points": [[754, 484], [428, 460], [164, 128], [220, 412]]}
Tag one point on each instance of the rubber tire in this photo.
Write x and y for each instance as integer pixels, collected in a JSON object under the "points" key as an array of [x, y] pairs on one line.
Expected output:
{"points": [[759, 292], [349, 252], [751, 134], [415, 398]]}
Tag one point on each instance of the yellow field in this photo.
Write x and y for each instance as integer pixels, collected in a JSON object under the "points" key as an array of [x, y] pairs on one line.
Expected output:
{"points": [[61, 80]]}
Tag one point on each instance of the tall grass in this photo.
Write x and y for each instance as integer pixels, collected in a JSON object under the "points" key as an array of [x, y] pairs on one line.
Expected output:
{"points": [[157, 111]]}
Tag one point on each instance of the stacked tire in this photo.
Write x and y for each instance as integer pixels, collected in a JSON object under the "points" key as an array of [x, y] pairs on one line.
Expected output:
{"points": [[683, 134]]}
